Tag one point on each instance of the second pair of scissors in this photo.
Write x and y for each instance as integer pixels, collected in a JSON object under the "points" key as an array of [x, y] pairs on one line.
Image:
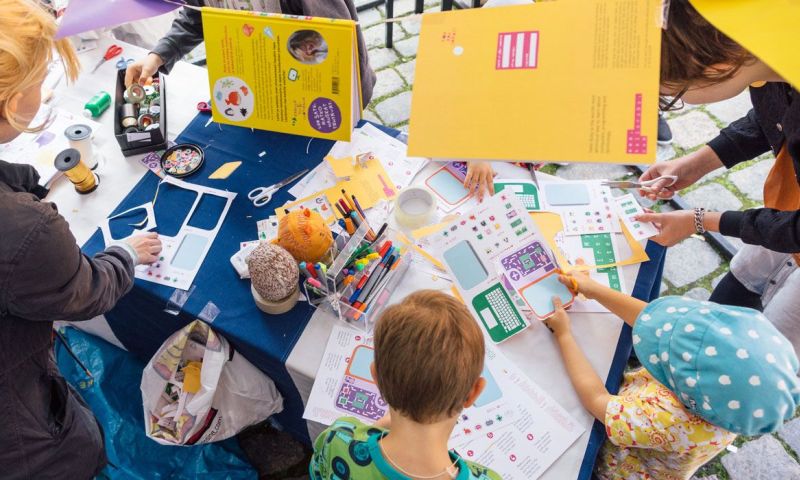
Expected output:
{"points": [[262, 195]]}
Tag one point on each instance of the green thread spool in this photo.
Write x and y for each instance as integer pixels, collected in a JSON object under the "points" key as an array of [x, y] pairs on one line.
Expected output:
{"points": [[97, 105]]}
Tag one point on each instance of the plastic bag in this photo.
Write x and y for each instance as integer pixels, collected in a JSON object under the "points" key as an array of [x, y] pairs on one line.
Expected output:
{"points": [[232, 394]]}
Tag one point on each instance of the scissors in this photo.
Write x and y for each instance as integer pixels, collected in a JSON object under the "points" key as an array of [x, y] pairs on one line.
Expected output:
{"points": [[123, 63], [112, 52], [672, 179], [262, 195], [204, 107]]}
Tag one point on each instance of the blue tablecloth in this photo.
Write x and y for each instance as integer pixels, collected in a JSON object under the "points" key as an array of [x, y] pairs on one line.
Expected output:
{"points": [[139, 320], [141, 324]]}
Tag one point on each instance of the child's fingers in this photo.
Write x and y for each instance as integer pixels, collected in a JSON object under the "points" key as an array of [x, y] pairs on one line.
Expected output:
{"points": [[557, 303]]}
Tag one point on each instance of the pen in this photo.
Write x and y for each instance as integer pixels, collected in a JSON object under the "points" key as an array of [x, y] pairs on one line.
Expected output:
{"points": [[341, 210], [349, 202], [380, 233]]}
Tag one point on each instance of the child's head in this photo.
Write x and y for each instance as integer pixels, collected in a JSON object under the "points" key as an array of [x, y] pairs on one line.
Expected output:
{"points": [[27, 40], [697, 56], [429, 355], [728, 365]]}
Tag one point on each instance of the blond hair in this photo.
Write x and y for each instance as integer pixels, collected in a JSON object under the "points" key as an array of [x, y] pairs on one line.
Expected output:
{"points": [[428, 355], [27, 40]]}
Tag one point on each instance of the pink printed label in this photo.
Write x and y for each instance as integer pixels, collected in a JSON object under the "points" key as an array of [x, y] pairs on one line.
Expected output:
{"points": [[637, 143], [516, 50]]}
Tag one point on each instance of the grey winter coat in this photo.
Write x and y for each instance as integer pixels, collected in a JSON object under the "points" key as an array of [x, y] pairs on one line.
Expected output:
{"points": [[46, 429], [187, 32]]}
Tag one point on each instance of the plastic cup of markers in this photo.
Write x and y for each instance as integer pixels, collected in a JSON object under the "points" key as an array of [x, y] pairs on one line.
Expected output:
{"points": [[182, 160]]}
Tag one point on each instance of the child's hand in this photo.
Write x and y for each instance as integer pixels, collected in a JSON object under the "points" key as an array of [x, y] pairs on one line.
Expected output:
{"points": [[559, 322], [480, 178], [142, 71], [579, 281]]}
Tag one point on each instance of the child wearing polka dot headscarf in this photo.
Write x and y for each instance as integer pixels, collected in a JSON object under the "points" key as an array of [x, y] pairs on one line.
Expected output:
{"points": [[709, 372]]}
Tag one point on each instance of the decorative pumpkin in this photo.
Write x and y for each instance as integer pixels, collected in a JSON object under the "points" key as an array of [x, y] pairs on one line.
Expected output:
{"points": [[305, 235]]}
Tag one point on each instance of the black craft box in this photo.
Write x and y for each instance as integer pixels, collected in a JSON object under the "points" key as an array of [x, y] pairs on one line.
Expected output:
{"points": [[140, 142]]}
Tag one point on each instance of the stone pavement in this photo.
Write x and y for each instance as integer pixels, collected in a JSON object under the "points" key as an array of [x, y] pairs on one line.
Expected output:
{"points": [[737, 189]]}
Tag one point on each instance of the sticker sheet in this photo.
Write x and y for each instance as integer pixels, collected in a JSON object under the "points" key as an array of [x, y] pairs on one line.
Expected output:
{"points": [[586, 207], [628, 208], [526, 190]]}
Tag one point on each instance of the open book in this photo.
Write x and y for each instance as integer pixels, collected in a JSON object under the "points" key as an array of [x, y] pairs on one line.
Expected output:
{"points": [[283, 73]]}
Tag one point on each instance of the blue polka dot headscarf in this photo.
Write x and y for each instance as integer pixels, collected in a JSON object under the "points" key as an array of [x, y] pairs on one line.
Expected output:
{"points": [[728, 365]]}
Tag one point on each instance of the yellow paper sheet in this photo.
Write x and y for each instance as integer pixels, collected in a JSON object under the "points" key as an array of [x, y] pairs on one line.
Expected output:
{"points": [[769, 29], [369, 183], [559, 81], [342, 167], [224, 171], [550, 225]]}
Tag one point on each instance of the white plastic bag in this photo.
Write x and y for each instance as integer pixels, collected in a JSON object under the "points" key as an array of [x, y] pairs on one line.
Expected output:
{"points": [[232, 395]]}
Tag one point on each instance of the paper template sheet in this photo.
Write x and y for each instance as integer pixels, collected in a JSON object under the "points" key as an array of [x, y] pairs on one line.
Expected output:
{"points": [[539, 90], [513, 424], [585, 206], [40, 149]]}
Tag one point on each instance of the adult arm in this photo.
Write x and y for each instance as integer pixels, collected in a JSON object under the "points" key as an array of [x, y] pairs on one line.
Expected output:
{"points": [[740, 141], [185, 34], [772, 229], [21, 178], [54, 280]]}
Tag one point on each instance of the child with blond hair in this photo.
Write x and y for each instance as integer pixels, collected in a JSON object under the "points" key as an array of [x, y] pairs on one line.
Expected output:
{"points": [[429, 354], [709, 372]]}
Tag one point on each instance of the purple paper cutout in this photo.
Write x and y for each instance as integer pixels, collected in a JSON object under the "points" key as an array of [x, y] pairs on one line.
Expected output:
{"points": [[85, 15]]}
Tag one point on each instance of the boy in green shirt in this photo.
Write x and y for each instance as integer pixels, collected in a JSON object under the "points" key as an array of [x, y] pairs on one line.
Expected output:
{"points": [[429, 355]]}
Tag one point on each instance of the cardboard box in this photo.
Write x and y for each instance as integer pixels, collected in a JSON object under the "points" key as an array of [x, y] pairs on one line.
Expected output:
{"points": [[140, 142]]}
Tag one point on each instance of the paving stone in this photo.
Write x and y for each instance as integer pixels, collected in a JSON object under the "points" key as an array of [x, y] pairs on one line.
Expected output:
{"points": [[412, 25], [698, 293], [750, 180], [689, 261], [395, 109], [381, 58], [665, 152], [761, 459], [713, 197], [401, 7], [375, 36], [693, 129], [713, 175], [407, 71], [407, 47], [388, 82], [369, 17], [663, 289], [732, 109], [592, 171], [790, 433]]}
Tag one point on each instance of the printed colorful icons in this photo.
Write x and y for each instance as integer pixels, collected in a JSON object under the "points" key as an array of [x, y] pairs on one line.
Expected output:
{"points": [[182, 160]]}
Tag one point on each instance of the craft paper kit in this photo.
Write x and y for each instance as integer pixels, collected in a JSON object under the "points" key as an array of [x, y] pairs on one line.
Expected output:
{"points": [[525, 190], [182, 254], [512, 415], [447, 184], [628, 208], [283, 73], [474, 245], [584, 206], [540, 90]]}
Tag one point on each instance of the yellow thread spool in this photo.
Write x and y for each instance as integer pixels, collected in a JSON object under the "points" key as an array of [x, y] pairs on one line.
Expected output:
{"points": [[69, 163]]}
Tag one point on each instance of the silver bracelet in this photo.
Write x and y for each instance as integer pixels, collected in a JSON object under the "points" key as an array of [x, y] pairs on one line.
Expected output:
{"points": [[699, 215]]}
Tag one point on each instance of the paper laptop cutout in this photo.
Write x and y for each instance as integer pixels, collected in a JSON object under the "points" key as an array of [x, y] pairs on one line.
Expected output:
{"points": [[358, 394]]}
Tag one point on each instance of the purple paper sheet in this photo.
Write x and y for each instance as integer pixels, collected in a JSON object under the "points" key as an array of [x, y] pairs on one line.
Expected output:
{"points": [[85, 15]]}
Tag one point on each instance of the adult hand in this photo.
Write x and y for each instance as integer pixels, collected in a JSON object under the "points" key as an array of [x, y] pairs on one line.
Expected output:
{"points": [[688, 169], [480, 178], [142, 71], [147, 247], [559, 322], [675, 226]]}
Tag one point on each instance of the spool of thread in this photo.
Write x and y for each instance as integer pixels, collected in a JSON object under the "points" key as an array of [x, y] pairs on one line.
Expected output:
{"points": [[129, 115], [69, 162], [415, 207], [97, 105], [80, 138]]}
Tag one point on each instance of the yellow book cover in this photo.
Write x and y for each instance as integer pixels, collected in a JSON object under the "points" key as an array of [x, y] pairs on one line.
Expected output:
{"points": [[559, 81], [283, 73]]}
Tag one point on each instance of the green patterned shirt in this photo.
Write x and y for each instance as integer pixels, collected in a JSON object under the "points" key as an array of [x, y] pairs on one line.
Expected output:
{"points": [[349, 450]]}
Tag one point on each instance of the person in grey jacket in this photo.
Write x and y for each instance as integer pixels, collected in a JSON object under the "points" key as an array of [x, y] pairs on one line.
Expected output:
{"points": [[46, 430], [187, 32]]}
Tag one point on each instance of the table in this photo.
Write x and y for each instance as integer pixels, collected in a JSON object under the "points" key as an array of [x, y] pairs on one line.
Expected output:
{"points": [[284, 346]]}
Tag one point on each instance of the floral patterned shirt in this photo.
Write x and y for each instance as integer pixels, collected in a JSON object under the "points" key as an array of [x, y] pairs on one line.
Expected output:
{"points": [[652, 436]]}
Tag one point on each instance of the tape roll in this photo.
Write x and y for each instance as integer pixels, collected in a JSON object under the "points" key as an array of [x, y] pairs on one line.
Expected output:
{"points": [[69, 162], [134, 93], [415, 207]]}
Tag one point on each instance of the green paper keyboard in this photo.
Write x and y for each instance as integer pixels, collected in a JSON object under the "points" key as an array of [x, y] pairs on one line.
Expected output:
{"points": [[498, 313]]}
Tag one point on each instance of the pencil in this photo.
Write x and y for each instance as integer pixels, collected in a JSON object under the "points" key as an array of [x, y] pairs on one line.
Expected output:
{"points": [[349, 202]]}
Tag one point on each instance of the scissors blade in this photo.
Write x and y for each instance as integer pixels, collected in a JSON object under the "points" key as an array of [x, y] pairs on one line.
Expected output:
{"points": [[532, 171], [621, 184], [290, 179]]}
